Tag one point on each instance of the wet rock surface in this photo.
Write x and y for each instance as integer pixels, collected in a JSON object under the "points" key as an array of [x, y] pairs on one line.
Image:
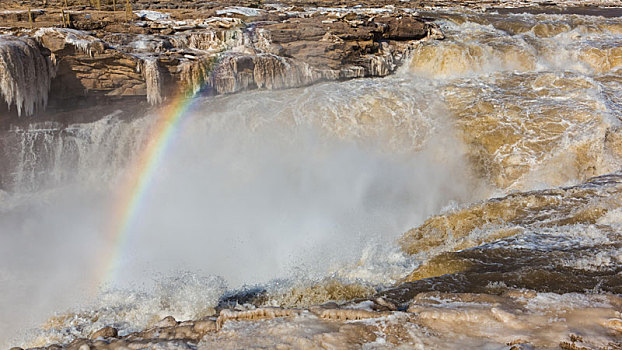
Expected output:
{"points": [[525, 319], [562, 240], [540, 297]]}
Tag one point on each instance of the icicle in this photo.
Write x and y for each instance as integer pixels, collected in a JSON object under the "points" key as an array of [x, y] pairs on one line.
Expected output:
{"points": [[196, 74], [153, 78], [80, 40], [25, 74]]}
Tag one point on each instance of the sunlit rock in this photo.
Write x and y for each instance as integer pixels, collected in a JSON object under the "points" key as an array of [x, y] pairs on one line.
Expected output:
{"points": [[204, 326], [168, 321], [106, 332], [57, 39], [219, 54]]}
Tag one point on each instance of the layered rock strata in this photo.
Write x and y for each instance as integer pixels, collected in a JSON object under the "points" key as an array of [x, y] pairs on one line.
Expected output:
{"points": [[159, 55]]}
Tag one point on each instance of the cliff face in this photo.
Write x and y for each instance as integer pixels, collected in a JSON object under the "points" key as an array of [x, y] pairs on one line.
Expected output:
{"points": [[158, 55]]}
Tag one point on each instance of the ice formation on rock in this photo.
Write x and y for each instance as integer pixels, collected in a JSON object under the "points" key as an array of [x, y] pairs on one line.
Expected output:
{"points": [[195, 74], [265, 71], [254, 314], [239, 10], [212, 40], [25, 74], [153, 79], [152, 15], [57, 38]]}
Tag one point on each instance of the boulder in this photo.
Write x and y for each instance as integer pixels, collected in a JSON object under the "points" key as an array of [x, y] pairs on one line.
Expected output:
{"points": [[168, 321], [106, 332]]}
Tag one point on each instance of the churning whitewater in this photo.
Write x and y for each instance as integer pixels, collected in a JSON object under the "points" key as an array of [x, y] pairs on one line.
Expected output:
{"points": [[475, 193]]}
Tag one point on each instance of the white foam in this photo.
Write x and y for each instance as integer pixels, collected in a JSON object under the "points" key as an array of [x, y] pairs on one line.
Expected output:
{"points": [[267, 184], [185, 297]]}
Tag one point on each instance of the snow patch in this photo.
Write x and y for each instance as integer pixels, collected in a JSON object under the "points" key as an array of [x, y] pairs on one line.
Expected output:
{"points": [[152, 15], [244, 11], [80, 40]]}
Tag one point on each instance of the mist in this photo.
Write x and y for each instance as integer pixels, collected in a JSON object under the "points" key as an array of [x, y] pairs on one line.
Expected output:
{"points": [[296, 184]]}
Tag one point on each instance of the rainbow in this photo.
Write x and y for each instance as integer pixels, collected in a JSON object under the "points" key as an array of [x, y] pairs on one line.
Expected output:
{"points": [[135, 186]]}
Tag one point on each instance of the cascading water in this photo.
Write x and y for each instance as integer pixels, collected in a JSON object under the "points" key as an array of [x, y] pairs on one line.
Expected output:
{"points": [[272, 181], [283, 188], [533, 94]]}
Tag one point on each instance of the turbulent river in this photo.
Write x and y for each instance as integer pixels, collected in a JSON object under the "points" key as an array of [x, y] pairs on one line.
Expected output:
{"points": [[467, 171]]}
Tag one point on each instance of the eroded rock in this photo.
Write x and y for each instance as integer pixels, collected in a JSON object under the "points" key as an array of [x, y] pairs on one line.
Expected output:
{"points": [[259, 313], [347, 314], [233, 50], [106, 332], [168, 321]]}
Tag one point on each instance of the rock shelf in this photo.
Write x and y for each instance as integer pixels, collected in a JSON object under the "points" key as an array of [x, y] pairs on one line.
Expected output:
{"points": [[104, 56], [428, 316]]}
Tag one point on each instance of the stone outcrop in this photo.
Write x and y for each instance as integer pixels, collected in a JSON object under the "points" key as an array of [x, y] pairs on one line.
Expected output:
{"points": [[106, 332], [159, 55], [254, 314]]}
